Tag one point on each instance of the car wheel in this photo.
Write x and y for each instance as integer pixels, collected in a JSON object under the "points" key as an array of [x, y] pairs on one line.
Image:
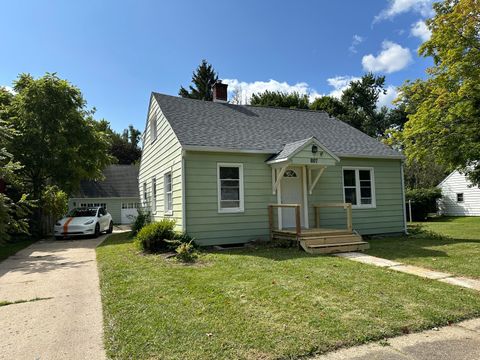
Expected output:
{"points": [[110, 228], [97, 230]]}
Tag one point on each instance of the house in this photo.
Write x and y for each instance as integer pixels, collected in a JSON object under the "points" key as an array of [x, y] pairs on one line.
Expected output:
{"points": [[117, 192], [459, 196], [221, 171]]}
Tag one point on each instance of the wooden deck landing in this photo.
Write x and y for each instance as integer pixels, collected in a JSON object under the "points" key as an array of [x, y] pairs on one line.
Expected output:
{"points": [[323, 240]]}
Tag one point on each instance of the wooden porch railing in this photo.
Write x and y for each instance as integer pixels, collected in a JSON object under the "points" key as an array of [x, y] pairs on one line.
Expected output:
{"points": [[298, 224], [346, 206]]}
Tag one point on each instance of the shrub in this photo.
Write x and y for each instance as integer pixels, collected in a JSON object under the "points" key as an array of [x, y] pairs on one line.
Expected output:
{"points": [[142, 219], [156, 236], [186, 252], [423, 201]]}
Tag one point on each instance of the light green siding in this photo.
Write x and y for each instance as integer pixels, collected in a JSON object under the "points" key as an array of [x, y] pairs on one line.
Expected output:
{"points": [[387, 217], [114, 205], [203, 220], [210, 227], [160, 156]]}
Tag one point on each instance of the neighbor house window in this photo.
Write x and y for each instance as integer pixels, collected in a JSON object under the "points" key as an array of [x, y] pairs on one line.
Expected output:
{"points": [[359, 187], [460, 197], [154, 195], [168, 199], [230, 187], [153, 128]]}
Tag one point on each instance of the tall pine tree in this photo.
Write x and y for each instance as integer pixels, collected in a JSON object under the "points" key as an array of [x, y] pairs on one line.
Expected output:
{"points": [[203, 79]]}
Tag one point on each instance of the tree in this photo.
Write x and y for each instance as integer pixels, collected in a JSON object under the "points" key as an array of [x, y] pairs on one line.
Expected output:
{"points": [[13, 212], [332, 106], [292, 100], [124, 148], [445, 108], [59, 142], [203, 79]]}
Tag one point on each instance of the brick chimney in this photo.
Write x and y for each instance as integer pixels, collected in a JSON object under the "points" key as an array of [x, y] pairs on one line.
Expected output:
{"points": [[219, 91]]}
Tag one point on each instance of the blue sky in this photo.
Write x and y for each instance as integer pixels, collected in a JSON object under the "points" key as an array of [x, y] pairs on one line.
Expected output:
{"points": [[117, 52]]}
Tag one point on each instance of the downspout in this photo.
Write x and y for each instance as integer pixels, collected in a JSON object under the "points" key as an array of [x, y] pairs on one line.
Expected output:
{"points": [[403, 200], [184, 212]]}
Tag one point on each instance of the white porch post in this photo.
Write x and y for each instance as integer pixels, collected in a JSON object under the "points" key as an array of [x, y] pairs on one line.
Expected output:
{"points": [[305, 197]]}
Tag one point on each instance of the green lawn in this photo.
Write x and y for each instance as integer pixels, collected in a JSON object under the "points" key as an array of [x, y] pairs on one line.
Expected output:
{"points": [[10, 248], [456, 250], [261, 304]]}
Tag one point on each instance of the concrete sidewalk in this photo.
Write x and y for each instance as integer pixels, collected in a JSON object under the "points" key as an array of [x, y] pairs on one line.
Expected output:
{"points": [[62, 318], [456, 342], [448, 278]]}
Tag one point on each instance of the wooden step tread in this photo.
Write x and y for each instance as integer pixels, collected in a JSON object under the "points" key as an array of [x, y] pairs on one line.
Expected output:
{"points": [[337, 244]]}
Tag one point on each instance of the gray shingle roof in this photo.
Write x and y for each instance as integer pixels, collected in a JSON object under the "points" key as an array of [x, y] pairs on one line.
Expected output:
{"points": [[290, 148], [244, 127], [120, 181]]}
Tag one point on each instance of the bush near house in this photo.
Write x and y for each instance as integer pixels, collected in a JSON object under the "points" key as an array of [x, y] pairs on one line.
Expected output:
{"points": [[160, 236], [423, 201], [142, 219]]}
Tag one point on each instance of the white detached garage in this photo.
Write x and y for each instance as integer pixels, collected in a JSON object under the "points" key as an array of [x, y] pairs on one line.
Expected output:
{"points": [[118, 193], [459, 197]]}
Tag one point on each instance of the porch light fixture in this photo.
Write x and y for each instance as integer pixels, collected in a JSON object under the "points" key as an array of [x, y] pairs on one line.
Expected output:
{"points": [[314, 149]]}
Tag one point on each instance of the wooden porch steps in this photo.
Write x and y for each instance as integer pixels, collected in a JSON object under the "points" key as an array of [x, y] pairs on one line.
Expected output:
{"points": [[335, 248]]}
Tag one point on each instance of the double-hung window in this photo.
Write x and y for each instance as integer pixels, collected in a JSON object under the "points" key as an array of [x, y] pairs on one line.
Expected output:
{"points": [[359, 187], [230, 187], [154, 195], [145, 196], [459, 197], [167, 196]]}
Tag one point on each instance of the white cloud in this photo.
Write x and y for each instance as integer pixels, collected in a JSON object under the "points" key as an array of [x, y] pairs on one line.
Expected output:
{"points": [[340, 83], [356, 40], [392, 58], [246, 89], [420, 30], [386, 99], [397, 7]]}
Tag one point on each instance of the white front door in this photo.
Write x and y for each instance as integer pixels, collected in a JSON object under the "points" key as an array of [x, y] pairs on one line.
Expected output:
{"points": [[292, 193]]}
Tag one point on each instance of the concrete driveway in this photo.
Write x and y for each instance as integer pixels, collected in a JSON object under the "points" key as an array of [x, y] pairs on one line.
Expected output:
{"points": [[61, 316]]}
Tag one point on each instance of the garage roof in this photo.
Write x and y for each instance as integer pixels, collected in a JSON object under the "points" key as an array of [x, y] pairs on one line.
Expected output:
{"points": [[120, 181]]}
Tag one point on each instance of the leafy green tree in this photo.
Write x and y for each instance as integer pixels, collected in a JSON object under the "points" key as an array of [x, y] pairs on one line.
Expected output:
{"points": [[15, 207], [203, 79], [59, 142], [444, 109], [124, 148], [54, 201], [332, 106], [292, 100]]}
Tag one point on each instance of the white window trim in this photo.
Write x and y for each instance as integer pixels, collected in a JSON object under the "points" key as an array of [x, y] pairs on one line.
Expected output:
{"points": [[373, 205], [165, 202], [154, 195], [463, 197], [241, 195]]}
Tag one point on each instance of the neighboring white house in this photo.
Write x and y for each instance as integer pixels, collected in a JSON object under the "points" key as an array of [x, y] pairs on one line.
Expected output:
{"points": [[459, 197]]}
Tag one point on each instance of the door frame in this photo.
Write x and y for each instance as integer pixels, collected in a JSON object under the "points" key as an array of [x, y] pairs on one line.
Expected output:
{"points": [[304, 191]]}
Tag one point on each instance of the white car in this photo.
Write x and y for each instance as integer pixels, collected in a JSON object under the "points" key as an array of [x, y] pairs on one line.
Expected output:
{"points": [[84, 221]]}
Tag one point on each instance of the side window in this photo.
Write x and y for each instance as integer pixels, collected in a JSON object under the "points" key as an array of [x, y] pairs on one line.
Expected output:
{"points": [[154, 195], [168, 193], [459, 197], [153, 128]]}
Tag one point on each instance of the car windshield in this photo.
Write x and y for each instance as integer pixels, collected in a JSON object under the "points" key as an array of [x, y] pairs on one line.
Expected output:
{"points": [[82, 212]]}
